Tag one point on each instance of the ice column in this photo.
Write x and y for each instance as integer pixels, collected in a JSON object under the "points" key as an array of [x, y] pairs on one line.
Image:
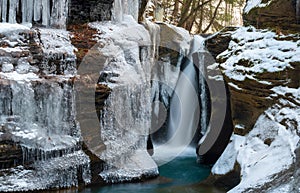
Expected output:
{"points": [[37, 10], [48, 12], [125, 7], [59, 13], [13, 6], [45, 12], [27, 11]]}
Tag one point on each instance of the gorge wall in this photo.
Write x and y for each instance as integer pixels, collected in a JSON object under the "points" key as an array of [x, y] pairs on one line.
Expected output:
{"points": [[260, 68], [276, 14]]}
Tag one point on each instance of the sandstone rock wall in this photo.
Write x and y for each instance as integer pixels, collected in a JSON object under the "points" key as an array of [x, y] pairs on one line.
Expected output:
{"points": [[276, 14], [260, 70]]}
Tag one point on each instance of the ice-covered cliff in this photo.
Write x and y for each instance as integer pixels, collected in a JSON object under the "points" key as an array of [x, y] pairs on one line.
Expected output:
{"points": [[122, 57], [38, 117]]}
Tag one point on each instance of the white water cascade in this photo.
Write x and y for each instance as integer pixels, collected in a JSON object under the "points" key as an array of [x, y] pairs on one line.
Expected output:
{"points": [[203, 93], [184, 109], [45, 12]]}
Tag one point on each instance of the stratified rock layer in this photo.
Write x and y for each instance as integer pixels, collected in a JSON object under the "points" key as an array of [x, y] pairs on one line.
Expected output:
{"points": [[260, 69], [276, 14]]}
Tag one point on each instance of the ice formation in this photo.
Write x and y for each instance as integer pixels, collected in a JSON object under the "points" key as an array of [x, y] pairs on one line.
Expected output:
{"points": [[125, 7], [38, 111], [35, 11], [125, 120]]}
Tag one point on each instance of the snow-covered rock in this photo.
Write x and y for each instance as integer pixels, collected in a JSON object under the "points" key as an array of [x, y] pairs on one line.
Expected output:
{"points": [[275, 14], [260, 68], [7, 67]]}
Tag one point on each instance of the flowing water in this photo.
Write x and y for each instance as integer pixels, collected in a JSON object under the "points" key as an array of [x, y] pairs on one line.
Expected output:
{"points": [[184, 114]]}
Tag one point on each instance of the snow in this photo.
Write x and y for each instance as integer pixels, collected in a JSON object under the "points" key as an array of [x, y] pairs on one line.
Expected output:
{"points": [[253, 52], [50, 144], [253, 4], [56, 45], [137, 165], [254, 154], [234, 86], [268, 150], [60, 172], [240, 126], [284, 90], [121, 39], [6, 67], [19, 77], [7, 28], [227, 161], [56, 41]]}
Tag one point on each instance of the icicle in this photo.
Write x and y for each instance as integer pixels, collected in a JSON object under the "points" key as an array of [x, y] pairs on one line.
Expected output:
{"points": [[24, 11], [45, 12], [13, 6], [1, 3], [29, 15], [59, 13], [118, 10], [133, 8], [37, 10], [4, 10]]}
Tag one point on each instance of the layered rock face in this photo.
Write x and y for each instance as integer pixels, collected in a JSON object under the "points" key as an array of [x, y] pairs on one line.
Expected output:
{"points": [[261, 70], [280, 14]]}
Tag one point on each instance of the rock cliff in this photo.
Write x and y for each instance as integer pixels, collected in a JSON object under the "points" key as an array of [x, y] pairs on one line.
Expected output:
{"points": [[276, 14], [260, 68]]}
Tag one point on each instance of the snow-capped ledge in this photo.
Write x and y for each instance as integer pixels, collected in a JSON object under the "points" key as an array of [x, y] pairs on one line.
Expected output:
{"points": [[266, 151]]}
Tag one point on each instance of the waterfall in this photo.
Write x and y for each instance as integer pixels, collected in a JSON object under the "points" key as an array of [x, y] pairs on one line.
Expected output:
{"points": [[203, 94], [35, 11], [184, 109]]}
